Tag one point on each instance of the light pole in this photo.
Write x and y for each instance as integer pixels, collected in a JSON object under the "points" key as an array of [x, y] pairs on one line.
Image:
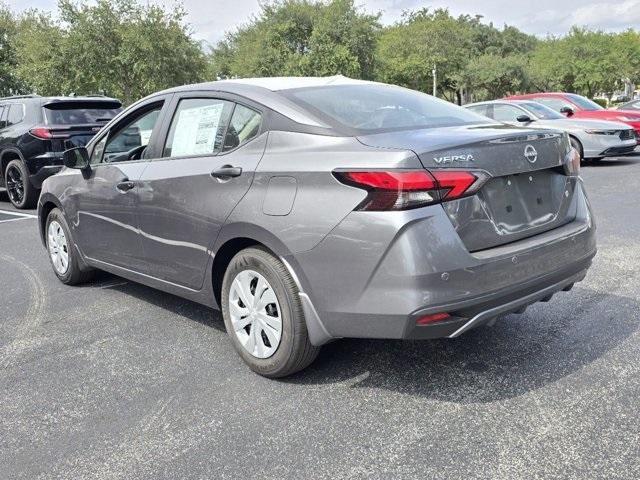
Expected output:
{"points": [[433, 73]]}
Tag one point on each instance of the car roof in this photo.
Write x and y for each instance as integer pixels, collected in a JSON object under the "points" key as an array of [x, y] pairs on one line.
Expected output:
{"points": [[503, 100], [266, 91]]}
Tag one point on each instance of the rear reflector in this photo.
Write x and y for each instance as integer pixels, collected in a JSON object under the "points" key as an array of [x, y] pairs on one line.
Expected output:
{"points": [[433, 318], [405, 189]]}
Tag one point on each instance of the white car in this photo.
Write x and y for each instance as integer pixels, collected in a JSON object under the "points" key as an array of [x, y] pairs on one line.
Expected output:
{"points": [[594, 139]]}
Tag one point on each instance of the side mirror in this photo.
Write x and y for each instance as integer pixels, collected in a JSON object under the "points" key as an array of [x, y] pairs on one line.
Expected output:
{"points": [[524, 118], [77, 158], [568, 111]]}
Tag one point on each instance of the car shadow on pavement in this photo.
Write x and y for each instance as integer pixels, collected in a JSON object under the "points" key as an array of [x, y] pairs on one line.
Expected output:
{"points": [[617, 162], [520, 353]]}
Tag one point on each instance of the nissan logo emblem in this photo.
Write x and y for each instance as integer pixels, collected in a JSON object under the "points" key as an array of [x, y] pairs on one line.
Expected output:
{"points": [[530, 154]]}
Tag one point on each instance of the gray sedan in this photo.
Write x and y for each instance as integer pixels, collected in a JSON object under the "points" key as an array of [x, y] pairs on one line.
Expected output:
{"points": [[312, 209], [592, 138]]}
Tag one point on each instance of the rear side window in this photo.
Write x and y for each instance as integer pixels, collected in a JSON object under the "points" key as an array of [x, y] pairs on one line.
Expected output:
{"points": [[245, 124], [16, 114], [80, 113], [479, 109], [198, 127]]}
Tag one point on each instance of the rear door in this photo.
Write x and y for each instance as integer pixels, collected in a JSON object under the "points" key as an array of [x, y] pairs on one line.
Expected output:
{"points": [[103, 200], [213, 145]]}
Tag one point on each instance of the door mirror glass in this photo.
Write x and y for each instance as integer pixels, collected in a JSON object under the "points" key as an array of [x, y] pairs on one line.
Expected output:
{"points": [[524, 118], [568, 111], [76, 158]]}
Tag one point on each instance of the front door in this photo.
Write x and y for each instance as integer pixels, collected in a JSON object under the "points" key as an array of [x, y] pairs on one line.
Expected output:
{"points": [[105, 197], [212, 148]]}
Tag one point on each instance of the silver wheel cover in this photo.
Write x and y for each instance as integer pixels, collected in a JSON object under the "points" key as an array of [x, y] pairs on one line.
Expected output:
{"points": [[58, 247], [255, 314]]}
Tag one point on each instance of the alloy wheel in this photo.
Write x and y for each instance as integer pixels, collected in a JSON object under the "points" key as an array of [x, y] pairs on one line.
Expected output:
{"points": [[58, 247], [255, 314], [15, 184]]}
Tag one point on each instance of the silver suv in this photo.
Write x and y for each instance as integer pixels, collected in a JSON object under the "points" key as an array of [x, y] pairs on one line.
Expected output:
{"points": [[311, 209]]}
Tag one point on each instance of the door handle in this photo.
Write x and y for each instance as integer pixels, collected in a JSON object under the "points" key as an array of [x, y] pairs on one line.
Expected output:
{"points": [[125, 186], [226, 172]]}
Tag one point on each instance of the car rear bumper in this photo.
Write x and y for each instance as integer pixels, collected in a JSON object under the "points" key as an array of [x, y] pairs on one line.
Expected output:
{"points": [[43, 166], [377, 273]]}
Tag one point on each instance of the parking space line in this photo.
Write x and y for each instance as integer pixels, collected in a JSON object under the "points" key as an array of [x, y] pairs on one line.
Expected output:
{"points": [[19, 216]]}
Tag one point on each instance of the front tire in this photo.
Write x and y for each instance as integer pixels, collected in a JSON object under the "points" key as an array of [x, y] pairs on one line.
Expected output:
{"points": [[263, 315], [63, 255], [575, 143], [21, 193]]}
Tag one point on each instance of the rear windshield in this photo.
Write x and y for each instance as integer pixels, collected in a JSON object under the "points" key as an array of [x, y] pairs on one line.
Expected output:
{"points": [[77, 113], [583, 103], [373, 108]]}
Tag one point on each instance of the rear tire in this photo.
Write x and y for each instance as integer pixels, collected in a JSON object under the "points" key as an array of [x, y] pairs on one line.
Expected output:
{"points": [[272, 339], [63, 255], [21, 193]]}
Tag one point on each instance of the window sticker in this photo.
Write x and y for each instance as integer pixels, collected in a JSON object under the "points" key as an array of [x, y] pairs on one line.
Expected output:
{"points": [[196, 129]]}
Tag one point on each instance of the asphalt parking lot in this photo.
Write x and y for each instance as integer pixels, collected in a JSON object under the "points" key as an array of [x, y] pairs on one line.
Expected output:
{"points": [[116, 380]]}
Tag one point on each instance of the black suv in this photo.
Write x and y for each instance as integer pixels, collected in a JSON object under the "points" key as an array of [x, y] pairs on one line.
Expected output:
{"points": [[34, 131]]}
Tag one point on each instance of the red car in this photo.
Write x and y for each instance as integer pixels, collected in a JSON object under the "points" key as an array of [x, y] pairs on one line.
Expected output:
{"points": [[577, 106]]}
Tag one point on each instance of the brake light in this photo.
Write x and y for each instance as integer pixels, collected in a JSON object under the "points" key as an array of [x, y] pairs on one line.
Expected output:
{"points": [[406, 189], [41, 133]]}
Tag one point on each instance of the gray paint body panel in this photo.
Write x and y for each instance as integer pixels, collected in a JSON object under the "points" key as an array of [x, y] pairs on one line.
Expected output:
{"points": [[360, 274]]}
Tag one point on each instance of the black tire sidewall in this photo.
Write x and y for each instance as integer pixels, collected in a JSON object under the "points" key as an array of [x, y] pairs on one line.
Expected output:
{"points": [[263, 263], [73, 269], [30, 192]]}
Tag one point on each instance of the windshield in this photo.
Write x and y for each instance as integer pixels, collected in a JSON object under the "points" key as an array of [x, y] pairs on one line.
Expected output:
{"points": [[542, 112], [584, 103], [371, 108], [77, 113]]}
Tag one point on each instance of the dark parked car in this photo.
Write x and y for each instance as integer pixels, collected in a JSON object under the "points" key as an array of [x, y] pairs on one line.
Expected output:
{"points": [[310, 209], [34, 131]]}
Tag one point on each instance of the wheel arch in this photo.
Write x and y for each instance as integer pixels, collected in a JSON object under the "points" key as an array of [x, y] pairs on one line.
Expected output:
{"points": [[238, 236], [47, 203], [577, 140], [8, 154]]}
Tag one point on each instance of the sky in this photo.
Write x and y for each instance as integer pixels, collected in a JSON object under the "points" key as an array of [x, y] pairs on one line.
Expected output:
{"points": [[210, 19]]}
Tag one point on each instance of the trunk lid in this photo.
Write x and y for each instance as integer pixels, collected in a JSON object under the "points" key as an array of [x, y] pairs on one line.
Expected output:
{"points": [[528, 192]]}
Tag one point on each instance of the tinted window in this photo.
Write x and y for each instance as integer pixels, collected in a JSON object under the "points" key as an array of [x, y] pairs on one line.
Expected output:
{"points": [[245, 124], [16, 114], [543, 112], [555, 103], [198, 127], [372, 107], [479, 109], [3, 122], [135, 132], [583, 102], [506, 113], [78, 113]]}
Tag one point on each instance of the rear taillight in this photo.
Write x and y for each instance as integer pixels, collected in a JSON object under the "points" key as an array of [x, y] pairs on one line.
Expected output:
{"points": [[405, 189], [572, 163], [42, 133]]}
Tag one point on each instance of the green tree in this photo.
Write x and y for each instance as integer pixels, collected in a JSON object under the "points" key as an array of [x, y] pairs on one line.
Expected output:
{"points": [[9, 83], [118, 47], [492, 76], [300, 37]]}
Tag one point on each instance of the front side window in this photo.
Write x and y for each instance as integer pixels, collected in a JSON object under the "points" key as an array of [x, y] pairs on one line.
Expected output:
{"points": [[129, 142], [372, 108], [584, 103], [555, 103], [245, 124], [506, 113], [198, 127], [3, 122], [542, 111]]}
